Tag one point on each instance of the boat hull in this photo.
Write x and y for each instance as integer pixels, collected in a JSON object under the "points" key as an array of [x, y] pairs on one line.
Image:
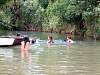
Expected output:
{"points": [[6, 41], [11, 41]]}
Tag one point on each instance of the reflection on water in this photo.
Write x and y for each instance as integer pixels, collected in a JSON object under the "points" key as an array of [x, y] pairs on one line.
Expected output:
{"points": [[81, 58]]}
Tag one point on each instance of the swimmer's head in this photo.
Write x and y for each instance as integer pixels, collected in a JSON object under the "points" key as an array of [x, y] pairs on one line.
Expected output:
{"points": [[50, 38], [26, 39], [68, 37], [18, 34]]}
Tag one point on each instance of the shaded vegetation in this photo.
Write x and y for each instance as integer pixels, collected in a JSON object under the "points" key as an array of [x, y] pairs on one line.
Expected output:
{"points": [[50, 15]]}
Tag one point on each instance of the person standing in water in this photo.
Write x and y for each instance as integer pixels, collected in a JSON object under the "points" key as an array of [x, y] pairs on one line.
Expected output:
{"points": [[50, 40], [69, 41], [25, 44]]}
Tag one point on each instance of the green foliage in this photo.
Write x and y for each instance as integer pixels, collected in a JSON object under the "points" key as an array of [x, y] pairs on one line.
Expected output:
{"points": [[5, 15], [51, 13], [2, 2], [44, 3], [54, 12], [30, 11], [88, 15]]}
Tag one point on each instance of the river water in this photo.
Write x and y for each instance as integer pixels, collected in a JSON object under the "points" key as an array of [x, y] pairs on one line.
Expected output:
{"points": [[80, 58]]}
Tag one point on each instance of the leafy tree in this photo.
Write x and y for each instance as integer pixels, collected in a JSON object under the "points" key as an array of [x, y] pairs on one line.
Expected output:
{"points": [[44, 3], [50, 13], [5, 18], [2, 2]]}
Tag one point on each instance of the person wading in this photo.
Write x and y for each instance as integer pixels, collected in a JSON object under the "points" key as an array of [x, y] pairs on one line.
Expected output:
{"points": [[25, 43]]}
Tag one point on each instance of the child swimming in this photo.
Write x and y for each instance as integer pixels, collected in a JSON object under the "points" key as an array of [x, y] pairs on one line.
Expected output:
{"points": [[50, 40], [69, 40]]}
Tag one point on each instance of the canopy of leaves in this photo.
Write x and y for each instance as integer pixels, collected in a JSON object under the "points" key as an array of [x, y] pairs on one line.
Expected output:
{"points": [[2, 2], [52, 13], [44, 3]]}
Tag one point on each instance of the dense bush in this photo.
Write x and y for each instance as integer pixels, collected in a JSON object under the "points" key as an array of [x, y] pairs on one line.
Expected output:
{"points": [[48, 13]]}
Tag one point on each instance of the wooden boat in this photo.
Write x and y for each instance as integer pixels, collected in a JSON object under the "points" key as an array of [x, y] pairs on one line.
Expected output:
{"points": [[11, 41]]}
